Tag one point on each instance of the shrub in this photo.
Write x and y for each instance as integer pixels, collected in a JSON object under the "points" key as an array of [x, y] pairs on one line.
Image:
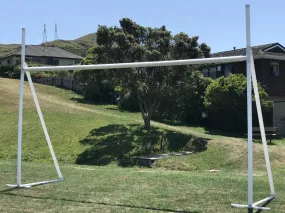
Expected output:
{"points": [[14, 72], [185, 102], [129, 102], [10, 72], [98, 87], [51, 74], [225, 104]]}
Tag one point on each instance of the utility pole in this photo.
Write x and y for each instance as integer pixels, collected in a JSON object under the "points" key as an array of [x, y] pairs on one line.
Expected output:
{"points": [[45, 34], [55, 32]]}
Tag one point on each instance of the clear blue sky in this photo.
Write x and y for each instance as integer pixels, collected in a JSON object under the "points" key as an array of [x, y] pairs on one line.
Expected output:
{"points": [[219, 23]]}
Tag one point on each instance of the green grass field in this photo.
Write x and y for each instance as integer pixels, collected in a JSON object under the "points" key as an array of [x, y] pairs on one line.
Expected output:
{"points": [[82, 132], [115, 189]]}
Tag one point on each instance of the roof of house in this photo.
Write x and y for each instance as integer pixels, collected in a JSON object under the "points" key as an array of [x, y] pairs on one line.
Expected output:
{"points": [[42, 51], [260, 51]]}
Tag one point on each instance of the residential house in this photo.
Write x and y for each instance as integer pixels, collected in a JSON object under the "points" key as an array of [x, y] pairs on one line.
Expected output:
{"points": [[269, 60], [39, 54]]}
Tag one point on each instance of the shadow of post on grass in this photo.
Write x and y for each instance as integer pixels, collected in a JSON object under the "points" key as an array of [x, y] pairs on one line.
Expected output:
{"points": [[98, 203], [119, 143]]}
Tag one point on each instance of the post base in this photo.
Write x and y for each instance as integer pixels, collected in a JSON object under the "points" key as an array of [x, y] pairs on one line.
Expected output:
{"points": [[254, 205], [29, 185], [249, 207]]}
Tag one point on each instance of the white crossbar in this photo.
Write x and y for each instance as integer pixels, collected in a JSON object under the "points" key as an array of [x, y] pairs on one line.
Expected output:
{"points": [[140, 64]]}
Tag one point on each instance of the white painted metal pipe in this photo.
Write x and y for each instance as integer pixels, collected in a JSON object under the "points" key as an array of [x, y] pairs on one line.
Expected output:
{"points": [[43, 125], [264, 200], [262, 131], [20, 119], [29, 185], [252, 207], [18, 186], [249, 107], [140, 64]]}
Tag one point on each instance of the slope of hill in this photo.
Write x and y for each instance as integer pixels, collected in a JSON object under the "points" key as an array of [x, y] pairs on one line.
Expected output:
{"points": [[82, 132], [85, 130], [6, 49], [78, 46]]}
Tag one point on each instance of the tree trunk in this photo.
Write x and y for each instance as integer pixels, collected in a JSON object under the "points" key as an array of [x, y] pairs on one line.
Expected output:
{"points": [[146, 122]]}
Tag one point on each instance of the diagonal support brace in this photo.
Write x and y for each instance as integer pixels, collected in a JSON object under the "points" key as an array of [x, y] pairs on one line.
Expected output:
{"points": [[43, 125]]}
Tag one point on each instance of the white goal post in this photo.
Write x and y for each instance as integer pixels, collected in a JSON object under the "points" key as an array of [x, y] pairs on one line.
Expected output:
{"points": [[251, 79]]}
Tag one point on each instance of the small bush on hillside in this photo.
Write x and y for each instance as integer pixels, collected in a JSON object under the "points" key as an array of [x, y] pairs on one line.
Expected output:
{"points": [[10, 72], [129, 102], [103, 93], [185, 101], [14, 72], [226, 104], [98, 88], [51, 74]]}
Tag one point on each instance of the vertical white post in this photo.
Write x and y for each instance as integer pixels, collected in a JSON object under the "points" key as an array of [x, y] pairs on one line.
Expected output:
{"points": [[20, 120], [262, 131], [249, 109]]}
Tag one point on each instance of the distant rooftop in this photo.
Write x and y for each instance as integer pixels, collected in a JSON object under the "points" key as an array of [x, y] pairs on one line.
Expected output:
{"points": [[273, 49], [42, 51]]}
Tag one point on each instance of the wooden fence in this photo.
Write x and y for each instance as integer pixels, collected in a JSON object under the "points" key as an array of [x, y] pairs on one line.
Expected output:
{"points": [[63, 82]]}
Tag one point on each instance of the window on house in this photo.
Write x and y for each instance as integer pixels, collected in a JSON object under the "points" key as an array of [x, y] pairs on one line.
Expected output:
{"points": [[213, 72], [9, 61], [36, 60], [55, 62], [274, 69], [228, 70], [205, 72], [219, 71]]}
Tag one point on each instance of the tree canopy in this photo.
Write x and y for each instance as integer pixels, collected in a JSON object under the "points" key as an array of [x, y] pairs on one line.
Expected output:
{"points": [[132, 42]]}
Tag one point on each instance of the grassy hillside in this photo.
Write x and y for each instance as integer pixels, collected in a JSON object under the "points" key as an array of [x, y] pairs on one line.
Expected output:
{"points": [[85, 131], [78, 46], [99, 134], [6, 49]]}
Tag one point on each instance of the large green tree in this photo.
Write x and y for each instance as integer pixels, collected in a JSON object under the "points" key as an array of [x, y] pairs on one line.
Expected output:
{"points": [[132, 42]]}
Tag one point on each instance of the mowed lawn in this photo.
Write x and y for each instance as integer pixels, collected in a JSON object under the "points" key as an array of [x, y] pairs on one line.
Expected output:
{"points": [[115, 189], [176, 184]]}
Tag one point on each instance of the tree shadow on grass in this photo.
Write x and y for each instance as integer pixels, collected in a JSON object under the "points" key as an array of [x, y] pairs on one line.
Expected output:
{"points": [[9, 190], [122, 142], [212, 131], [85, 101]]}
